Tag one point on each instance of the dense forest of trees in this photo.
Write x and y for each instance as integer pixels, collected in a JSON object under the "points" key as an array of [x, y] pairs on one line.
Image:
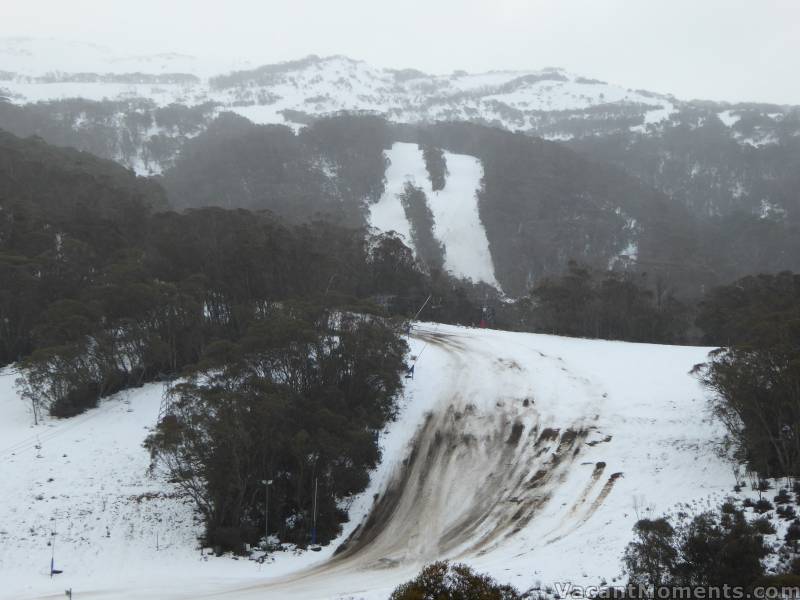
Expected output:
{"points": [[543, 205], [436, 165], [705, 166], [616, 305], [132, 132], [742, 198], [420, 218], [298, 401], [332, 168], [714, 548], [756, 372], [64, 214]]}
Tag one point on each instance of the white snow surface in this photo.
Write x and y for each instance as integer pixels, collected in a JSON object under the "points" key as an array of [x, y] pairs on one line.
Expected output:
{"points": [[729, 118], [492, 482], [387, 214], [457, 223]]}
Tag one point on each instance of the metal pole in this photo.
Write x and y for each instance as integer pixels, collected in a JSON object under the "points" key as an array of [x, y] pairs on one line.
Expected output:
{"points": [[266, 519], [53, 554], [314, 525], [421, 307], [267, 483]]}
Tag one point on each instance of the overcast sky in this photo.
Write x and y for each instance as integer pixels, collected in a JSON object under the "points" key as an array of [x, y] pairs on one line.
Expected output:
{"points": [[714, 49]]}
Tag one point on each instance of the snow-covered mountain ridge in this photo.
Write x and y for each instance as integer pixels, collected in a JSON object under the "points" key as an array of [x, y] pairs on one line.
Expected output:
{"points": [[36, 70]]}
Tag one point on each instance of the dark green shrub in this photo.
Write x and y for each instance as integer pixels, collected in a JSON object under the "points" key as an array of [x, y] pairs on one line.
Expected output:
{"points": [[782, 497], [762, 506], [444, 581], [763, 526]]}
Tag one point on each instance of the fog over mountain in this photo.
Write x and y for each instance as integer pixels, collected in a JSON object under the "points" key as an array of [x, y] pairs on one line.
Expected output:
{"points": [[693, 50], [723, 164], [471, 300]]}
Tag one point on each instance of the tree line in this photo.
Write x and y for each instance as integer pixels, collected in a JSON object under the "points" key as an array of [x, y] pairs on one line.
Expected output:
{"points": [[420, 218], [293, 409], [755, 374], [613, 304]]}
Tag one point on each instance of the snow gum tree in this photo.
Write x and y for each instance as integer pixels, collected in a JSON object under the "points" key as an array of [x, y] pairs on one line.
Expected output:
{"points": [[299, 401]]}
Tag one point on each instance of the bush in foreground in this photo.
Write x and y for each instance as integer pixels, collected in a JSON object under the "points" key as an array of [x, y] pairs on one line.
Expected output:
{"points": [[443, 581], [713, 548]]}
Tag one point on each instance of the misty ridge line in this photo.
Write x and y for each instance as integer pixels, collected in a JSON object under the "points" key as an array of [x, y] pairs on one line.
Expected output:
{"points": [[102, 64]]}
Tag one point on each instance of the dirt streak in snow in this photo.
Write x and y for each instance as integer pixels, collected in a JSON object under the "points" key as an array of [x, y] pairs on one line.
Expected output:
{"points": [[477, 472]]}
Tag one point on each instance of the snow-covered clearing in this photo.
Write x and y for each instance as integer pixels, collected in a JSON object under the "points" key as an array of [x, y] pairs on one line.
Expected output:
{"points": [[387, 213], [527, 456], [457, 224], [729, 118]]}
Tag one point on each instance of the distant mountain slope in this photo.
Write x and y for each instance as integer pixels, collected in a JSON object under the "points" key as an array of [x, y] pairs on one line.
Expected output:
{"points": [[713, 157], [549, 102], [39, 70], [539, 203], [513, 209], [727, 173], [330, 170], [543, 205], [36, 172]]}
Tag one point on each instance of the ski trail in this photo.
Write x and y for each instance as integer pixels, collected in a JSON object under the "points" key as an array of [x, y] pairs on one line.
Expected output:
{"points": [[479, 470], [457, 223]]}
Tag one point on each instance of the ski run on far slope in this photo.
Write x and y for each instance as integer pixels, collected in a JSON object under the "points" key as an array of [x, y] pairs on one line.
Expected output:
{"points": [[457, 223]]}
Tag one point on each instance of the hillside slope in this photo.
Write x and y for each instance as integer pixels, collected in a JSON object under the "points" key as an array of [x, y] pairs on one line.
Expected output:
{"points": [[731, 166], [539, 205], [512, 451], [59, 207], [549, 102]]}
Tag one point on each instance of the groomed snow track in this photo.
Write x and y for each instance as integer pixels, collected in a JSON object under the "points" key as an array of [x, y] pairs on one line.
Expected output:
{"points": [[509, 464]]}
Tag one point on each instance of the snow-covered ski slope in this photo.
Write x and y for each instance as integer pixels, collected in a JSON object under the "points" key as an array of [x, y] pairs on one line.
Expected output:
{"points": [[86, 479], [527, 456], [457, 224]]}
